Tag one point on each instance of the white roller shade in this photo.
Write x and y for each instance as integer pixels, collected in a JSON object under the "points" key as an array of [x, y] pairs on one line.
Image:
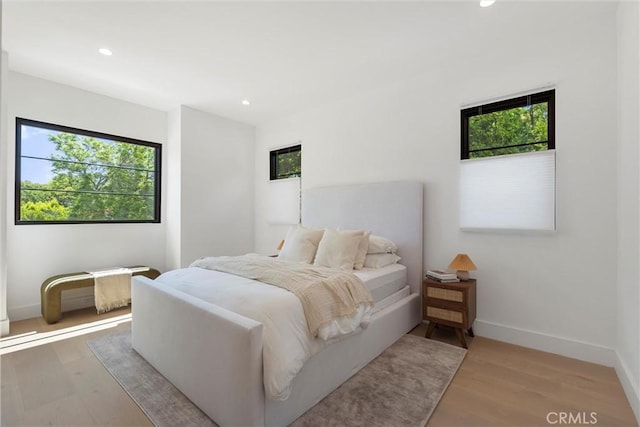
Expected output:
{"points": [[284, 201], [514, 192]]}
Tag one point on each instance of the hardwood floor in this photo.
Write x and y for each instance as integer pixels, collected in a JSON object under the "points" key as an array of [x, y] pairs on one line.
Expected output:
{"points": [[501, 384], [62, 384]]}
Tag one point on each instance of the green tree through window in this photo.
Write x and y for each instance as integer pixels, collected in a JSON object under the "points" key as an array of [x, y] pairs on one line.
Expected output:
{"points": [[68, 175], [513, 126], [286, 162]]}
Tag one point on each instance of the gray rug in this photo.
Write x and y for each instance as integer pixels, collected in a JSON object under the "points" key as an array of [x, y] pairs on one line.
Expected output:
{"points": [[400, 387], [163, 404]]}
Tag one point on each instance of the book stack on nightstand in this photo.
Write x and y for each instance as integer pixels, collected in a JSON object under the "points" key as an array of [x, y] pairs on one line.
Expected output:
{"points": [[442, 276]]}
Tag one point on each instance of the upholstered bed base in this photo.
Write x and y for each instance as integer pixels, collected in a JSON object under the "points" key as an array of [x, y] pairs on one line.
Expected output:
{"points": [[215, 356]]}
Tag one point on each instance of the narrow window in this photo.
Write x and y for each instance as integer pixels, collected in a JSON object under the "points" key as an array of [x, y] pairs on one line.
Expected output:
{"points": [[73, 176], [285, 162]]}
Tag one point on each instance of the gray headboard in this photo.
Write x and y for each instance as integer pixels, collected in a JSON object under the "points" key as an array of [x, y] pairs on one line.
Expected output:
{"points": [[388, 209]]}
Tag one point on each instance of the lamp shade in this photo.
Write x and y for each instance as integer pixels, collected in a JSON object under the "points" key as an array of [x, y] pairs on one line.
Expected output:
{"points": [[462, 262]]}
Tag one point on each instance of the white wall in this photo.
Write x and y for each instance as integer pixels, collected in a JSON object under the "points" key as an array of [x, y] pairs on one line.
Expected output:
{"points": [[4, 73], [35, 252], [628, 302], [171, 197], [551, 291], [216, 181]]}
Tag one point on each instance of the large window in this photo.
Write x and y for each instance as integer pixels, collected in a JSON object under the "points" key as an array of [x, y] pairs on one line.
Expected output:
{"points": [[70, 176], [517, 125], [285, 162]]}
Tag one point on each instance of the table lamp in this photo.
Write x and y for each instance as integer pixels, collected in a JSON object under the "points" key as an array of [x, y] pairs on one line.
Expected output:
{"points": [[463, 265]]}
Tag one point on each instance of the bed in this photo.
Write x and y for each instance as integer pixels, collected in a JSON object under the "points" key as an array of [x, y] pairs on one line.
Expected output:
{"points": [[215, 356]]}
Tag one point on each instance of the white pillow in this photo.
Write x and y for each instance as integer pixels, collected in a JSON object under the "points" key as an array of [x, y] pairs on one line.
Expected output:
{"points": [[358, 263], [380, 260], [380, 245], [338, 249], [301, 244]]}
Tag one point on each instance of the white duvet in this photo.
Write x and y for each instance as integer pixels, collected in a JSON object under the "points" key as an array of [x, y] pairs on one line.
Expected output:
{"points": [[287, 341]]}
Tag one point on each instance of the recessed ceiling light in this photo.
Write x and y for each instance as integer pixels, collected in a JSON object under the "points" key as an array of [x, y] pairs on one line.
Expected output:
{"points": [[486, 3], [105, 51], [245, 102]]}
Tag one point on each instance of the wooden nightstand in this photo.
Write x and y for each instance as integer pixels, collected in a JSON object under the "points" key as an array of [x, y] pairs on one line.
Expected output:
{"points": [[451, 304]]}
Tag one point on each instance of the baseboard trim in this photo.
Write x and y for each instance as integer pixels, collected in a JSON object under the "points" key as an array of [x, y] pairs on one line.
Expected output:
{"points": [[24, 312], [629, 386], [4, 327], [580, 350], [69, 302]]}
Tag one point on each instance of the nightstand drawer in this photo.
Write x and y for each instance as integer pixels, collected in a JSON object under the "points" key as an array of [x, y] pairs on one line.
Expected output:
{"points": [[441, 313], [445, 294]]}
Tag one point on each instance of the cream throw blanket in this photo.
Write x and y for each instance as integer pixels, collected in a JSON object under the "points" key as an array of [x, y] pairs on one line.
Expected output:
{"points": [[112, 289], [326, 294]]}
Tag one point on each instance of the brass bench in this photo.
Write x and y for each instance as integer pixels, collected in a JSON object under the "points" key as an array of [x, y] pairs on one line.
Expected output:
{"points": [[51, 289]]}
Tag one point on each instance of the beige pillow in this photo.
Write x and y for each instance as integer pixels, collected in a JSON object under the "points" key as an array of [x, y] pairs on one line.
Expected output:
{"points": [[380, 245], [338, 249], [358, 263], [301, 244]]}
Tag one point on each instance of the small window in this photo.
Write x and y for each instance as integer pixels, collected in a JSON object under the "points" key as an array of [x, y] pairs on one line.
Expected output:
{"points": [[508, 164], [517, 125], [285, 162], [72, 176]]}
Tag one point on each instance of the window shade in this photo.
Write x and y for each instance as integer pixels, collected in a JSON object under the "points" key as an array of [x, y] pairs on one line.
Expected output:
{"points": [[284, 201], [512, 192]]}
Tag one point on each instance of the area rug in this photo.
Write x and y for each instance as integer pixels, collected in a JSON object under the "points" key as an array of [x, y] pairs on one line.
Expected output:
{"points": [[402, 386], [163, 403]]}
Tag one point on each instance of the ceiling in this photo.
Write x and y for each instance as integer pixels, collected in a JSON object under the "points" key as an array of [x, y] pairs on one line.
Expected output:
{"points": [[283, 57]]}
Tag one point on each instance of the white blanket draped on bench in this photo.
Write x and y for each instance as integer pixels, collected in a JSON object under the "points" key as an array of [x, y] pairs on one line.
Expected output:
{"points": [[112, 289]]}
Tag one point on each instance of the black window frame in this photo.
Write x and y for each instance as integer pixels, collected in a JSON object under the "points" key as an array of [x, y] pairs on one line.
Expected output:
{"points": [[273, 162], [83, 132], [548, 96]]}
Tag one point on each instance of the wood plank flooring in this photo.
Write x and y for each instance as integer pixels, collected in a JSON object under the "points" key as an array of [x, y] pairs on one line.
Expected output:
{"points": [[501, 384], [63, 384]]}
